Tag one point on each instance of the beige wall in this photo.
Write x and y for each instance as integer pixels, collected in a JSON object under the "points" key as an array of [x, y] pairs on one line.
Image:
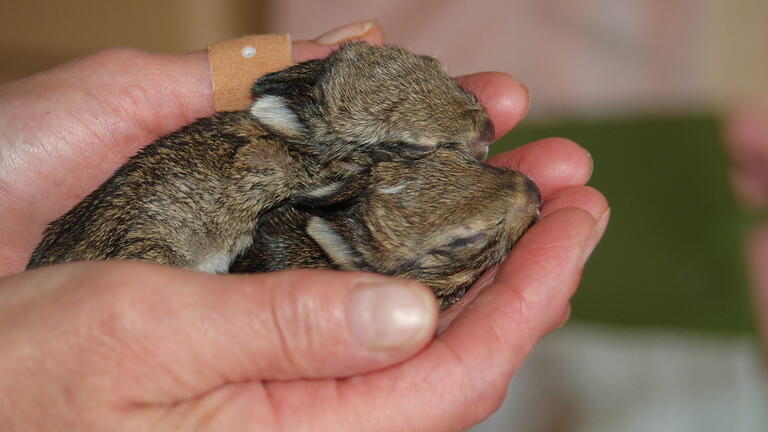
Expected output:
{"points": [[578, 57], [703, 51], [37, 34], [738, 52]]}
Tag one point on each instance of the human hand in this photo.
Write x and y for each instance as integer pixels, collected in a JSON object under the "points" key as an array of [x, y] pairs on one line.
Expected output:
{"points": [[746, 140], [129, 346]]}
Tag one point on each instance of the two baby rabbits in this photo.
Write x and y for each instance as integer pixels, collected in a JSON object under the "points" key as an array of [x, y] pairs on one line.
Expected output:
{"points": [[366, 160]]}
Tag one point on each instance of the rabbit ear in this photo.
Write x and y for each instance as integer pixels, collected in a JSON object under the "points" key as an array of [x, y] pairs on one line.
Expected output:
{"points": [[296, 80], [333, 243], [276, 95], [274, 112]]}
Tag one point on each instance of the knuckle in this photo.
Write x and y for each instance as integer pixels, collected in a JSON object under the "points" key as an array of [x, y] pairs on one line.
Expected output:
{"points": [[308, 323], [292, 326], [479, 388], [115, 56], [486, 397], [490, 402]]}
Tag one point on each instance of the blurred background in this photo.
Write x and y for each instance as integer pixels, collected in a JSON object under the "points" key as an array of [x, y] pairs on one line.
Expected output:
{"points": [[669, 97]]}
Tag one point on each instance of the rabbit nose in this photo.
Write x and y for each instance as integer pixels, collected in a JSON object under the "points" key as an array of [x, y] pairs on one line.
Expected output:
{"points": [[480, 148], [532, 191], [488, 131], [524, 195]]}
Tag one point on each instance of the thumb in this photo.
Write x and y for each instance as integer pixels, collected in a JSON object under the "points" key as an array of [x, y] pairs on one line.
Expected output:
{"points": [[323, 45], [199, 331]]}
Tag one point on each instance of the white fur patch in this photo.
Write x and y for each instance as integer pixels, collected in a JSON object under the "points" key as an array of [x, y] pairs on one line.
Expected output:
{"points": [[325, 191], [274, 113], [219, 262], [332, 243], [392, 189], [216, 263], [242, 244]]}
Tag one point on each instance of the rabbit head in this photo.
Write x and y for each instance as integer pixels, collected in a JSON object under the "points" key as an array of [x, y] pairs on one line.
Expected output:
{"points": [[363, 96], [442, 219]]}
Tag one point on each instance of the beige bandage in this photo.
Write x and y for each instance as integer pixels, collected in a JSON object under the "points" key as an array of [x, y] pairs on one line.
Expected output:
{"points": [[237, 63]]}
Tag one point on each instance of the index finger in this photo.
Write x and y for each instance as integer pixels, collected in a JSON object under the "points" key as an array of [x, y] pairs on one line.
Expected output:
{"points": [[505, 98], [310, 49]]}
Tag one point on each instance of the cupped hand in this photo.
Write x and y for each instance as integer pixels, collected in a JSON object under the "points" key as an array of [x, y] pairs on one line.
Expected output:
{"points": [[131, 346]]}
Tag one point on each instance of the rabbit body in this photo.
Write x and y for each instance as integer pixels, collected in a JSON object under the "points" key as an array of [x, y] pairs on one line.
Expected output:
{"points": [[192, 199], [189, 200]]}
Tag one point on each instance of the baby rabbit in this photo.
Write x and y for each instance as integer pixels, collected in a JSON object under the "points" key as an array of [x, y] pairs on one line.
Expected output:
{"points": [[193, 198], [442, 219]]}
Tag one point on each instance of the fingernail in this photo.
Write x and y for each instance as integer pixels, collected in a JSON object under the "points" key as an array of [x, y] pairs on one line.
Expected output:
{"points": [[528, 104], [597, 233], [347, 32], [387, 315], [591, 164]]}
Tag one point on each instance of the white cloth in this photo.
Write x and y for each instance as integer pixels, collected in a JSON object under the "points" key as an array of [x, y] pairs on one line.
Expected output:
{"points": [[596, 379]]}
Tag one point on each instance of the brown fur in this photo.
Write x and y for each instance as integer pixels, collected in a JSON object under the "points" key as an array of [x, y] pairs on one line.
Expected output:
{"points": [[442, 219], [192, 199]]}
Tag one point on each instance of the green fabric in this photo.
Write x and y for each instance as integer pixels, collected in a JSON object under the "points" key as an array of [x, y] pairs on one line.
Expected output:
{"points": [[673, 252]]}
